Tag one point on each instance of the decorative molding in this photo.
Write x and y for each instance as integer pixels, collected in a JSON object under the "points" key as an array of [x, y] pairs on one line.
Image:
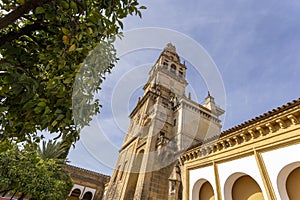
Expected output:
{"points": [[288, 117], [293, 119], [281, 123], [294, 104], [270, 127]]}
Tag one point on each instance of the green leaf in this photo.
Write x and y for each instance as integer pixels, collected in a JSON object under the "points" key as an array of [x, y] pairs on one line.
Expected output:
{"points": [[79, 36], [65, 31], [39, 10], [73, 5], [50, 16], [54, 123], [68, 80], [90, 30], [60, 117], [41, 104], [121, 24], [65, 4], [38, 109], [58, 111], [72, 47]]}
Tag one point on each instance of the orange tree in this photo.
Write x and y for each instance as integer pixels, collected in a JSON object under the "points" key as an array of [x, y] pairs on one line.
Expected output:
{"points": [[26, 172], [43, 45]]}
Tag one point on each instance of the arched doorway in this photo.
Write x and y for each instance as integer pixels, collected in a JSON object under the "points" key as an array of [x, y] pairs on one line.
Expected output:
{"points": [[206, 192], [75, 194], [87, 196], [292, 184], [246, 188]]}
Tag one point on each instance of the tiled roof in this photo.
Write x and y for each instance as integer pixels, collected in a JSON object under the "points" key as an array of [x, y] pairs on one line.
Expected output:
{"points": [[262, 117], [86, 171]]}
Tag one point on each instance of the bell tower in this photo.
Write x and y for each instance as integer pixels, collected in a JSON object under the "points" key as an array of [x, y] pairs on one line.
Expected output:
{"points": [[168, 72], [163, 123]]}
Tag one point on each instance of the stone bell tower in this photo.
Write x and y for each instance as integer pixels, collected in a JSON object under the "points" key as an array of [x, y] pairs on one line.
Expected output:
{"points": [[162, 125]]}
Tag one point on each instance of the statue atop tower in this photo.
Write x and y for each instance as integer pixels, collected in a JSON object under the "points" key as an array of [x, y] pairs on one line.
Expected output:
{"points": [[170, 47]]}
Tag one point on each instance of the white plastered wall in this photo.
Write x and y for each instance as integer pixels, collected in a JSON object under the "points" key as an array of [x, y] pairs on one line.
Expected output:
{"points": [[204, 174], [279, 164], [230, 171]]}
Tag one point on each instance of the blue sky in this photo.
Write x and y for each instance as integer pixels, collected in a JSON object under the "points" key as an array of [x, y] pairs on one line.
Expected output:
{"points": [[254, 44]]}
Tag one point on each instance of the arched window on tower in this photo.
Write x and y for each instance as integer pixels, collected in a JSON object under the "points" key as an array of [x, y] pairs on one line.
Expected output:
{"points": [[180, 74], [173, 68], [165, 64]]}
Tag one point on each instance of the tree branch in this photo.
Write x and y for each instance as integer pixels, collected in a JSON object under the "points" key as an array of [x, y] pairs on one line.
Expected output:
{"points": [[21, 11], [23, 31]]}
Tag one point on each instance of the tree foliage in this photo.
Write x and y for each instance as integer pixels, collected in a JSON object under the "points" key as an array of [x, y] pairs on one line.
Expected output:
{"points": [[24, 171], [52, 149], [43, 46]]}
